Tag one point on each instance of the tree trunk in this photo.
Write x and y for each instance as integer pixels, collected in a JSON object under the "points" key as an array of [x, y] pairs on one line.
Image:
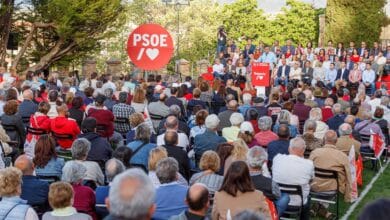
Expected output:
{"points": [[27, 41], [56, 53], [6, 10]]}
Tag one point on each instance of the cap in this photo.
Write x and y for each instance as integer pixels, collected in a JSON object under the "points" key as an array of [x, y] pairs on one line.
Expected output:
{"points": [[246, 127]]}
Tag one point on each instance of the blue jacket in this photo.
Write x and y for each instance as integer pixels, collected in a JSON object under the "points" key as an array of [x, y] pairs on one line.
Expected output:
{"points": [[142, 156], [277, 147], [165, 208], [34, 190], [335, 121], [209, 140], [345, 76]]}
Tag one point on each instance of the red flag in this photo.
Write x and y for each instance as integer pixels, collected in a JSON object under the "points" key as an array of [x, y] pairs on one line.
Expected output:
{"points": [[377, 144]]}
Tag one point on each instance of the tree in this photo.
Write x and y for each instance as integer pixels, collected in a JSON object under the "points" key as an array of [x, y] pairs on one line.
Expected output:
{"points": [[6, 10], [244, 18], [199, 22], [298, 22], [64, 29], [354, 20]]}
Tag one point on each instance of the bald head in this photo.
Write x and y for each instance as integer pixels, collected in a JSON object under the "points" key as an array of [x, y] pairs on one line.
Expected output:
{"points": [[171, 138], [24, 164], [232, 105], [172, 123], [330, 137], [28, 94], [198, 198]]}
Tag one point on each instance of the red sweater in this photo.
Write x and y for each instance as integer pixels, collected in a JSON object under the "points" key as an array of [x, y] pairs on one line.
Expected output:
{"points": [[326, 114], [104, 118], [84, 200], [63, 125]]}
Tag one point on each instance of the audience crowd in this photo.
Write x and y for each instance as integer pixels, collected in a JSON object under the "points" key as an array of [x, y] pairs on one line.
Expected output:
{"points": [[155, 147]]}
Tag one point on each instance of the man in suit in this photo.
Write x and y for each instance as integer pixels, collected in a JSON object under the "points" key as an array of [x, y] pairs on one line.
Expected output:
{"points": [[342, 74], [288, 46], [282, 74], [375, 50], [362, 48], [307, 71]]}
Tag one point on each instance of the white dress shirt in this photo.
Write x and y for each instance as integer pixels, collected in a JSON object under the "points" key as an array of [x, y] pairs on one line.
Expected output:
{"points": [[218, 68], [294, 170], [182, 140], [296, 73]]}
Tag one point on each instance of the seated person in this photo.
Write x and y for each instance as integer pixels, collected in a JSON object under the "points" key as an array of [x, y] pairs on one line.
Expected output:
{"points": [[11, 204], [113, 168], [34, 190], [167, 174], [330, 158], [61, 199], [80, 150], [101, 149], [62, 125]]}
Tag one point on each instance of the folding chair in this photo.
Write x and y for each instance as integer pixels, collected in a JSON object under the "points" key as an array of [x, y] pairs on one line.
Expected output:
{"points": [[36, 131], [370, 155], [331, 197], [49, 179], [292, 212], [63, 153]]}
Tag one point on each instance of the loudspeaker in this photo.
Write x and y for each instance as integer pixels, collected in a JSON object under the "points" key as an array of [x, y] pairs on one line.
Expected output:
{"points": [[12, 41]]}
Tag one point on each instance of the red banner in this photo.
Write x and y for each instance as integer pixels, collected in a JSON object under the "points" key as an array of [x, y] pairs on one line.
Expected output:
{"points": [[260, 74], [150, 47]]}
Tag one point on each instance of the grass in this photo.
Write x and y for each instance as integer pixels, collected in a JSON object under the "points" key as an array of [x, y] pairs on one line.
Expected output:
{"points": [[379, 189]]}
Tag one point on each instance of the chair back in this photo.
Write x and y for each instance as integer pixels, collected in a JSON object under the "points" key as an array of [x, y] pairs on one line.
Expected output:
{"points": [[9, 128], [121, 120], [292, 190], [26, 119], [58, 136], [36, 131], [326, 174]]}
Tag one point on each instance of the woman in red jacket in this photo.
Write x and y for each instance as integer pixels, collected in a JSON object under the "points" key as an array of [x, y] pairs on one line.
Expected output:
{"points": [[40, 121]]}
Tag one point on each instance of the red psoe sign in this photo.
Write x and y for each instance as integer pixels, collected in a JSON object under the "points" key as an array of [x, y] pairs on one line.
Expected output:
{"points": [[150, 47], [260, 74]]}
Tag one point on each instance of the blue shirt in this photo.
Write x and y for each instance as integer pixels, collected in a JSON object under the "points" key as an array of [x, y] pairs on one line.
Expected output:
{"points": [[165, 208], [268, 58], [243, 109], [331, 75], [142, 156]]}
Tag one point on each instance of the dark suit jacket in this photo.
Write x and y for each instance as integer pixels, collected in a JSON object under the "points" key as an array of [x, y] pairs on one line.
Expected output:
{"points": [[285, 48], [308, 72], [34, 190], [287, 71], [360, 50], [345, 76], [182, 159]]}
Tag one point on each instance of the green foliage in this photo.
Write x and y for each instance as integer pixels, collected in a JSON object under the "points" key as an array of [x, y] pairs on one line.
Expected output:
{"points": [[244, 18], [298, 21], [354, 20], [76, 26]]}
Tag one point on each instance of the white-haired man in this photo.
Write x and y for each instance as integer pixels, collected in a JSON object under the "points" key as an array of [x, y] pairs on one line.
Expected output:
{"points": [[209, 140], [330, 158], [131, 196], [345, 141], [295, 170]]}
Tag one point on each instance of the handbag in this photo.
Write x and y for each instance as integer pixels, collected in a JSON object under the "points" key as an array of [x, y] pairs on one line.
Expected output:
{"points": [[7, 160]]}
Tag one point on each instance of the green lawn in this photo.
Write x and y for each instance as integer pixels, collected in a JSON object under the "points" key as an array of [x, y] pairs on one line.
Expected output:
{"points": [[380, 189]]}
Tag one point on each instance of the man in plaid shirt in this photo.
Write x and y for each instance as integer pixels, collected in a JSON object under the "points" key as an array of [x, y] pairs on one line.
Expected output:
{"points": [[122, 110]]}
